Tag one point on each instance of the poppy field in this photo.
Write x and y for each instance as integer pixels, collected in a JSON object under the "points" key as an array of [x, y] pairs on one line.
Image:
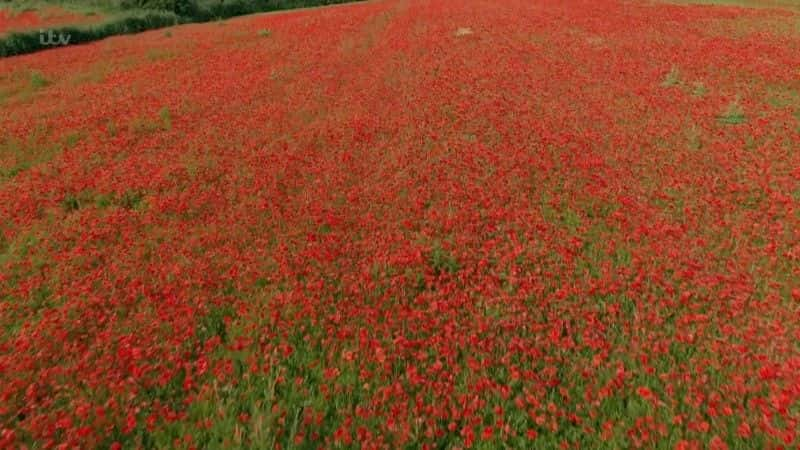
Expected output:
{"points": [[12, 20], [407, 224]]}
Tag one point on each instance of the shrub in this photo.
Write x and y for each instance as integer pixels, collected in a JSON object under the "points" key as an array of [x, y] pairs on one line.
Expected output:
{"points": [[180, 7]]}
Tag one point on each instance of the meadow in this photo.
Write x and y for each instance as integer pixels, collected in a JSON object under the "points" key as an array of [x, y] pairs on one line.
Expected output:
{"points": [[407, 224]]}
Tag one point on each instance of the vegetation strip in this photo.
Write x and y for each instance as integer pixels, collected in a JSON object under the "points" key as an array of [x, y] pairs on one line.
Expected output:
{"points": [[145, 16]]}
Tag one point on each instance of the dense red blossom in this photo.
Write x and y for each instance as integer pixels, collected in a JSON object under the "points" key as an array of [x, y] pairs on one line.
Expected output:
{"points": [[564, 222]]}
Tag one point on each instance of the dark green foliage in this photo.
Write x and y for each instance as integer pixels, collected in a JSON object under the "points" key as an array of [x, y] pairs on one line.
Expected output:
{"points": [[443, 261], [29, 41], [180, 7], [222, 9], [131, 200], [214, 323]]}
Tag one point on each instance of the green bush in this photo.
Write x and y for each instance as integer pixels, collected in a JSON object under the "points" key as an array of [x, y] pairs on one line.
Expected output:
{"points": [[18, 43], [223, 9]]}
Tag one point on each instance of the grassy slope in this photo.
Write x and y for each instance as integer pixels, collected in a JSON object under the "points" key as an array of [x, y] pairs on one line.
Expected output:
{"points": [[240, 409]]}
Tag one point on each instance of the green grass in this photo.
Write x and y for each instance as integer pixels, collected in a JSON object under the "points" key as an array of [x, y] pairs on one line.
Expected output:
{"points": [[734, 115], [443, 261], [699, 89], [673, 78], [20, 154], [145, 125], [38, 81], [166, 118], [797, 116], [22, 84]]}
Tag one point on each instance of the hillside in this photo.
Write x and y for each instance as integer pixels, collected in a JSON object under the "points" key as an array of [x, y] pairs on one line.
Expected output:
{"points": [[407, 223]]}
